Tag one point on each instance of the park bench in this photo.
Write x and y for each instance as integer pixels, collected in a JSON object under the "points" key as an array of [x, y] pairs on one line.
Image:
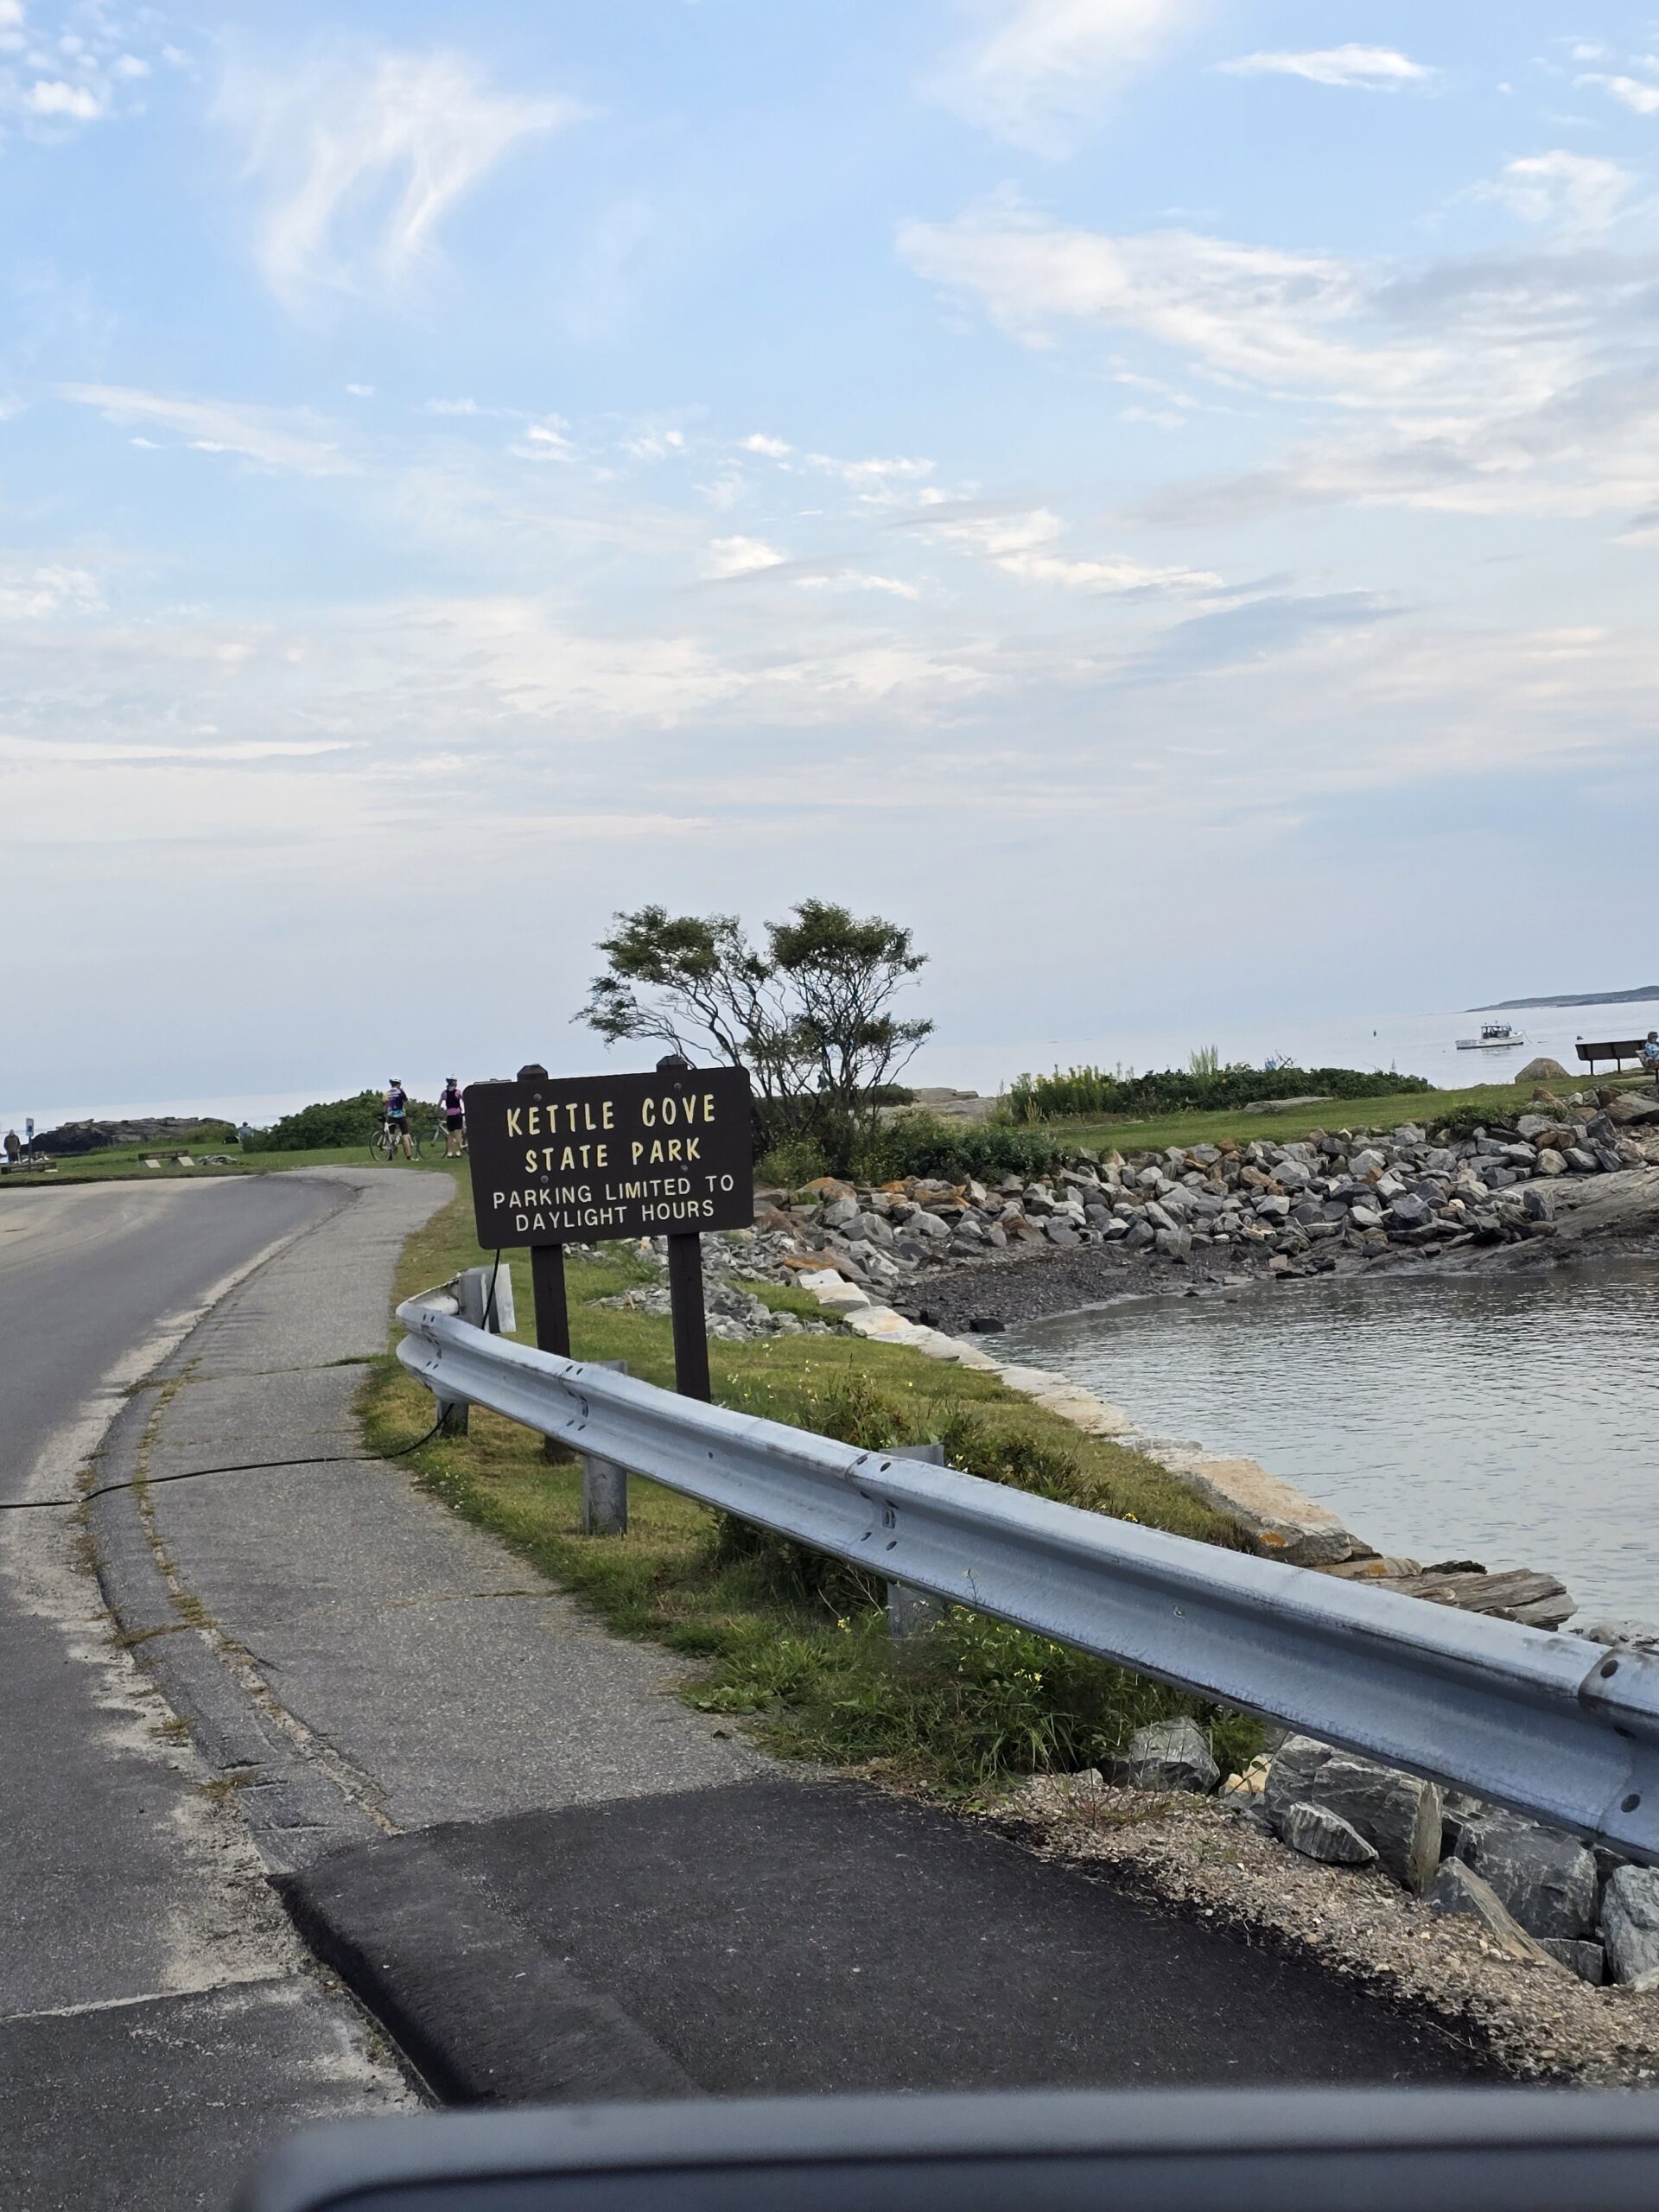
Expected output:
{"points": [[1630, 1049]]}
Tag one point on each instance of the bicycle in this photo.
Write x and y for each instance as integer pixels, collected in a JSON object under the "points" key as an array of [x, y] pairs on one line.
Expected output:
{"points": [[388, 1143]]}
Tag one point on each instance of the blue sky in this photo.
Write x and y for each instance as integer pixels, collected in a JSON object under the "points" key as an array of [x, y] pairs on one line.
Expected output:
{"points": [[1161, 497]]}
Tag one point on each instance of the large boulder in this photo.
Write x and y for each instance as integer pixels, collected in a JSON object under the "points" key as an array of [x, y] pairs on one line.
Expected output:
{"points": [[1545, 1879], [1543, 1070], [1457, 1891], [1168, 1755], [1396, 1814], [1629, 1923]]}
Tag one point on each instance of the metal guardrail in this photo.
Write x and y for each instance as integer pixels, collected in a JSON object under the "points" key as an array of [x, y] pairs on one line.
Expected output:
{"points": [[1562, 1730]]}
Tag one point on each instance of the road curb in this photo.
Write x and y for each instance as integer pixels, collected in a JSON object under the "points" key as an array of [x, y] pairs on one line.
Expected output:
{"points": [[475, 2004], [295, 1812]]}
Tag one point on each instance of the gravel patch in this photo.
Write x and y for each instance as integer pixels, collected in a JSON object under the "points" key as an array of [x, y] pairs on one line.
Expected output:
{"points": [[1535, 2023]]}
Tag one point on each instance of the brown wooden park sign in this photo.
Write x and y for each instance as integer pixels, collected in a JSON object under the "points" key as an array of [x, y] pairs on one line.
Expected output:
{"points": [[571, 1160]]}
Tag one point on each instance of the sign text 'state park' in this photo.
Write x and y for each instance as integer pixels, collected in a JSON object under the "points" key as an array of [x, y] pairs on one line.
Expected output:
{"points": [[559, 1159]]}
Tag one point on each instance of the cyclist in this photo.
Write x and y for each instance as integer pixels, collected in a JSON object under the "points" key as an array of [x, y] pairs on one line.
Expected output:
{"points": [[396, 1105], [454, 1110]]}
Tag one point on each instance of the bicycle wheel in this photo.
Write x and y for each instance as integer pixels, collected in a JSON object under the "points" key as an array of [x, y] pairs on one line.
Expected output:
{"points": [[380, 1147]]}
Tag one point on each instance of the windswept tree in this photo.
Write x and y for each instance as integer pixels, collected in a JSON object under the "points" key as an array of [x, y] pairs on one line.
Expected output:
{"points": [[812, 1017]]}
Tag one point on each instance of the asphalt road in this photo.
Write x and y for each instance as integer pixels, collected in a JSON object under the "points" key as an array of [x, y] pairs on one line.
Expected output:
{"points": [[157, 2015]]}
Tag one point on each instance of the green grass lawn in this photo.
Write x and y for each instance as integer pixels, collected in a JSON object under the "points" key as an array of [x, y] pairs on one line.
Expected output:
{"points": [[1103, 1134], [125, 1163], [795, 1642]]}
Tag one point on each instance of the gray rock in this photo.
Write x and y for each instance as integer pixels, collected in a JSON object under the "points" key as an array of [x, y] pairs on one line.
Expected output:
{"points": [[1318, 1834], [1545, 1879], [922, 1223], [1458, 1810], [1396, 1813], [1408, 1210], [1581, 1161], [1458, 1891], [1140, 1233], [1629, 1923], [1587, 1961], [1169, 1755], [1061, 1231], [1539, 1204], [1176, 1243], [1643, 1635]]}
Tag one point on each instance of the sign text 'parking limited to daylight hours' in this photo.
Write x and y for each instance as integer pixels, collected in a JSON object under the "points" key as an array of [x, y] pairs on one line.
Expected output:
{"points": [[561, 1159]]}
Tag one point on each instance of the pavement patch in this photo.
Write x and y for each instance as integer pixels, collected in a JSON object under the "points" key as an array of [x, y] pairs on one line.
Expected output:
{"points": [[484, 2013], [773, 1937]]}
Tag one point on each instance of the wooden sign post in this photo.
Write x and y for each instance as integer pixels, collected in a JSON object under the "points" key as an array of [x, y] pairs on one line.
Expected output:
{"points": [[562, 1160]]}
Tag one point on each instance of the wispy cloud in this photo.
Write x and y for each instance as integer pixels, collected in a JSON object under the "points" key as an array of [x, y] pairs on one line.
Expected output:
{"points": [[1373, 68], [363, 157], [1043, 69], [285, 438], [1498, 385], [71, 752], [1576, 195], [1635, 93], [740, 557], [1029, 545], [37, 594]]}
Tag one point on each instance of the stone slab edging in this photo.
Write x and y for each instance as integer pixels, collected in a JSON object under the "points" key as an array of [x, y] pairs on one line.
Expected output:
{"points": [[1284, 1524]]}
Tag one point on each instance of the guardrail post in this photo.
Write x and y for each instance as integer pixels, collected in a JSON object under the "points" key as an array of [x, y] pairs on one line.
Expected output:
{"points": [[484, 1297], [604, 1483], [912, 1612]]}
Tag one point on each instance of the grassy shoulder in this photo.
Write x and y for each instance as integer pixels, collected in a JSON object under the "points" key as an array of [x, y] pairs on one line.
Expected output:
{"points": [[796, 1642], [125, 1164], [1422, 1107]]}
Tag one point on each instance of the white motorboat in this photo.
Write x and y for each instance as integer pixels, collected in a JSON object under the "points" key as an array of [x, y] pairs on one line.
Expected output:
{"points": [[1495, 1037]]}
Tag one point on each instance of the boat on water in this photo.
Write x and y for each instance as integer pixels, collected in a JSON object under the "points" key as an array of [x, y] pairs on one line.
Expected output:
{"points": [[1495, 1037]]}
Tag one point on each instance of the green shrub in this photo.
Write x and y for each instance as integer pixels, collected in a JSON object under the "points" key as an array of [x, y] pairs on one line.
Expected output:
{"points": [[921, 1144], [339, 1122], [972, 1702], [1038, 1098], [790, 1163], [1462, 1121]]}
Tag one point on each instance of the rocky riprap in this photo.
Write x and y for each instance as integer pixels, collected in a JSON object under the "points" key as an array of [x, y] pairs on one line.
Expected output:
{"points": [[734, 1315], [1540, 1894], [1332, 1200]]}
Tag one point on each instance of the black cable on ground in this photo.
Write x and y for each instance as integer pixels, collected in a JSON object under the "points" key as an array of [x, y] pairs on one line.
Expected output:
{"points": [[241, 1467]]}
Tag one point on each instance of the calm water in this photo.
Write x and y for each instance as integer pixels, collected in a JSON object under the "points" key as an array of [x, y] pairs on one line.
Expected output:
{"points": [[1514, 1421]]}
